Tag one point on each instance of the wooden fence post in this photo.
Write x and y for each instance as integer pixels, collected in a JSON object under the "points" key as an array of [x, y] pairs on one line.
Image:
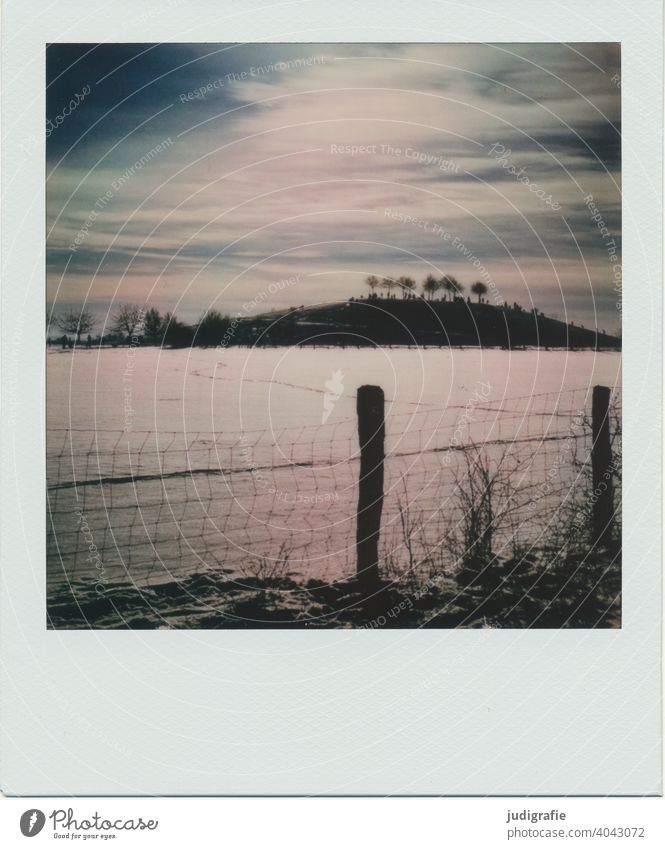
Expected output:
{"points": [[601, 466], [371, 435]]}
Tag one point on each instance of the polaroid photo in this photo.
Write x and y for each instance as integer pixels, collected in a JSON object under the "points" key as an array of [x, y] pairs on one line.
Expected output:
{"points": [[318, 420], [305, 376]]}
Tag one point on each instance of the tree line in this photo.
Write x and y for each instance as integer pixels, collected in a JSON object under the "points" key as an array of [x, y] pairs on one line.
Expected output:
{"points": [[134, 323], [148, 326], [447, 284]]}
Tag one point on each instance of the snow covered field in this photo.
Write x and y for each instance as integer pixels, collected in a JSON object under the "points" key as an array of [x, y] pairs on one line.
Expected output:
{"points": [[163, 464]]}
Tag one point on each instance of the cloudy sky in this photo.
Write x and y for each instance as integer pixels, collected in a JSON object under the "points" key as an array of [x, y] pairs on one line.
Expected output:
{"points": [[247, 177]]}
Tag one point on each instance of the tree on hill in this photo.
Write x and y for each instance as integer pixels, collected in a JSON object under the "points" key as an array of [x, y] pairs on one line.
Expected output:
{"points": [[430, 286], [407, 285], [76, 321], [450, 285], [373, 282], [388, 284], [479, 288]]}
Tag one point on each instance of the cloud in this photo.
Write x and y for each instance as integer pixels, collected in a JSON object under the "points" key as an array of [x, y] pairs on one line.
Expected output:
{"points": [[283, 159]]}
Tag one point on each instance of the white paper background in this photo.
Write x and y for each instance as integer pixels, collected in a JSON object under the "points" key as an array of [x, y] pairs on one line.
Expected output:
{"points": [[334, 712]]}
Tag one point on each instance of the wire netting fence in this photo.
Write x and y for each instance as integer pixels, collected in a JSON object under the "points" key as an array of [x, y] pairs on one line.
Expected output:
{"points": [[152, 507]]}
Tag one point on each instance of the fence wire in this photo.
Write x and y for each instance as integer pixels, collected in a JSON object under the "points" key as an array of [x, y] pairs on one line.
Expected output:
{"points": [[148, 508]]}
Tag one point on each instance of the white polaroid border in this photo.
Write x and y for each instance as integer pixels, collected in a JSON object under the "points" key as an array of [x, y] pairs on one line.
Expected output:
{"points": [[327, 712]]}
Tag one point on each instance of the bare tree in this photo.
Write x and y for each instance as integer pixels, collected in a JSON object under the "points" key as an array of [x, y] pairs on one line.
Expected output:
{"points": [[76, 321], [126, 319], [373, 282], [479, 288], [430, 286], [492, 498]]}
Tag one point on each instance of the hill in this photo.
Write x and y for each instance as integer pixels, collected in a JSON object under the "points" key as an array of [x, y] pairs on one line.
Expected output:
{"points": [[416, 321]]}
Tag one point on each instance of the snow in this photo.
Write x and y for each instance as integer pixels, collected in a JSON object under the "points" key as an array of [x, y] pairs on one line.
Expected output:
{"points": [[220, 460]]}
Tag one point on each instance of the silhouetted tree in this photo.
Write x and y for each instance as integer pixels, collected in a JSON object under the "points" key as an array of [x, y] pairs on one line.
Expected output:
{"points": [[430, 286], [76, 321], [479, 288], [450, 285], [126, 319], [388, 284], [167, 321], [153, 325], [211, 329], [407, 285], [176, 334], [373, 282]]}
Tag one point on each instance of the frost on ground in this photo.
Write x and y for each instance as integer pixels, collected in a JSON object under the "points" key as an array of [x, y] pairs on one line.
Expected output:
{"points": [[213, 495], [548, 590]]}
